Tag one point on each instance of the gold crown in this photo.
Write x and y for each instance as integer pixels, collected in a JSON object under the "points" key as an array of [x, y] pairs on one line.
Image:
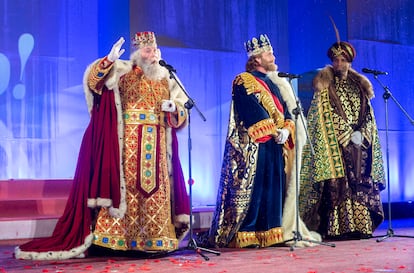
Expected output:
{"points": [[143, 39], [256, 46]]}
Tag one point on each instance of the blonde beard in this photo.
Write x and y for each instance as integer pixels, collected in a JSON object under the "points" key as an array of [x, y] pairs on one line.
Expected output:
{"points": [[153, 71], [271, 67], [268, 66]]}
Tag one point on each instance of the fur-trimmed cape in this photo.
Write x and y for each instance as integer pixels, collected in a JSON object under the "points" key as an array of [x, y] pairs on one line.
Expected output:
{"points": [[325, 77], [98, 180], [328, 137], [235, 190], [289, 207]]}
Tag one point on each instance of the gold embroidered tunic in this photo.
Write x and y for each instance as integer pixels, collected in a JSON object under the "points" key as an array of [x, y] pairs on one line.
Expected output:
{"points": [[147, 224]]}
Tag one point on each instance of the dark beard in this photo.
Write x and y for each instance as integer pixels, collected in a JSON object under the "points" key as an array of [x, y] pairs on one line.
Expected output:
{"points": [[338, 73]]}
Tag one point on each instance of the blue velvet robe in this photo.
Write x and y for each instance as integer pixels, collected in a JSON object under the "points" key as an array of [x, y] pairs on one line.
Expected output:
{"points": [[252, 184]]}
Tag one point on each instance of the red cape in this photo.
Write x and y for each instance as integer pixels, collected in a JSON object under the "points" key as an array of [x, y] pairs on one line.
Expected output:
{"points": [[97, 175]]}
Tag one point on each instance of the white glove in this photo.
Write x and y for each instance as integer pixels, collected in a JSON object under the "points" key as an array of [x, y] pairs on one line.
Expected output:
{"points": [[356, 138], [116, 50], [283, 135], [168, 106]]}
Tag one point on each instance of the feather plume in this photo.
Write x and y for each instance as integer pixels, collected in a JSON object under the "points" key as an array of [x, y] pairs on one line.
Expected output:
{"points": [[338, 39]]}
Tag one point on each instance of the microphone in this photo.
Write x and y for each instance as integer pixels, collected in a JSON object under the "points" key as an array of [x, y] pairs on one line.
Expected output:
{"points": [[167, 66], [288, 75], [375, 72]]}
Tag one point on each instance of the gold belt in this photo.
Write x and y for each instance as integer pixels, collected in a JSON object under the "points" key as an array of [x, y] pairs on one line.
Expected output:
{"points": [[144, 117]]}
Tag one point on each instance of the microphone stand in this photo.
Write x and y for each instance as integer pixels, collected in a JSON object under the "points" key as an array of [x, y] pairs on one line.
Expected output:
{"points": [[298, 111], [192, 244], [387, 94]]}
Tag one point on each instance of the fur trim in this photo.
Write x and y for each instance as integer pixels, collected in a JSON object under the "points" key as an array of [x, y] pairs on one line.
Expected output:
{"points": [[289, 207], [182, 222], [99, 202], [169, 149], [77, 252], [119, 68], [181, 219], [289, 96], [325, 78], [87, 92], [179, 95]]}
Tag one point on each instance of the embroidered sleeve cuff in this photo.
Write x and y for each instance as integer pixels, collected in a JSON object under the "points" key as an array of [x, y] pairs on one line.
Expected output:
{"points": [[97, 75], [177, 118], [290, 125], [262, 128]]}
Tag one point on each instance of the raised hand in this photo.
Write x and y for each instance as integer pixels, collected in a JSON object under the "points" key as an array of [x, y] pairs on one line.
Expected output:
{"points": [[116, 50]]}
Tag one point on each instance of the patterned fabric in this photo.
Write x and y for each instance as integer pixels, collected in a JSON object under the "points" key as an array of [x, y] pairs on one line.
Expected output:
{"points": [[144, 201], [259, 238], [341, 182], [252, 176], [147, 224]]}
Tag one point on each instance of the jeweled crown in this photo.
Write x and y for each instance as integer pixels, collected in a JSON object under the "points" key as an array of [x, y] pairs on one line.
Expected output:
{"points": [[256, 46], [143, 39]]}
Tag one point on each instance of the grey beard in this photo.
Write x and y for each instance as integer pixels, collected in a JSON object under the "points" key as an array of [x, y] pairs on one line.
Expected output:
{"points": [[152, 71]]}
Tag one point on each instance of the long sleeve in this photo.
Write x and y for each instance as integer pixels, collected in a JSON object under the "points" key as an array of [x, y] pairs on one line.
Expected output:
{"points": [[98, 74]]}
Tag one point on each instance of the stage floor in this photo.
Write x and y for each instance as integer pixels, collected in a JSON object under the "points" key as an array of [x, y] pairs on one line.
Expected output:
{"points": [[394, 254]]}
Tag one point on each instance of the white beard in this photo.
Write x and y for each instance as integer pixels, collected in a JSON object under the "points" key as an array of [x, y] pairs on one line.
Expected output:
{"points": [[153, 71]]}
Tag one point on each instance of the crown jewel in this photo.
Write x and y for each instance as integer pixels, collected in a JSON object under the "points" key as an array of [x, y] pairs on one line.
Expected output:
{"points": [[256, 46], [143, 39]]}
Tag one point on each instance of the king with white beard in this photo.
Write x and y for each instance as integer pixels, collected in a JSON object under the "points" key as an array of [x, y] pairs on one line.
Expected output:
{"points": [[128, 189], [150, 108]]}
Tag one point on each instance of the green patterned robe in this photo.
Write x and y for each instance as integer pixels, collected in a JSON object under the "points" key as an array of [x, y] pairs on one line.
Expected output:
{"points": [[341, 182]]}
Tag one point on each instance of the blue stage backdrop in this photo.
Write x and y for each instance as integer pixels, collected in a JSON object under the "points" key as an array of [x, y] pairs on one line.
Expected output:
{"points": [[46, 45]]}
